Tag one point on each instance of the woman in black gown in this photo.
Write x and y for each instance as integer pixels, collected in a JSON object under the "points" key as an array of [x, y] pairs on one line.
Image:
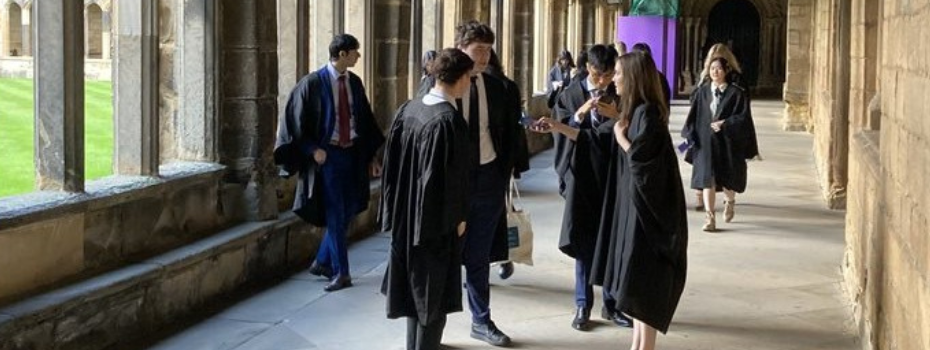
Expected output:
{"points": [[646, 259], [722, 134], [424, 203]]}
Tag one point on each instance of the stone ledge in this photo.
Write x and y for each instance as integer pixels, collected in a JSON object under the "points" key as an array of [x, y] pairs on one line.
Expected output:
{"points": [[109, 191], [121, 305]]}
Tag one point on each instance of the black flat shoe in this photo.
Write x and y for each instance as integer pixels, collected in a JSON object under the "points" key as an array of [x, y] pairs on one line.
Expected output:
{"points": [[489, 333], [582, 316], [338, 283], [319, 270], [616, 317], [506, 270]]}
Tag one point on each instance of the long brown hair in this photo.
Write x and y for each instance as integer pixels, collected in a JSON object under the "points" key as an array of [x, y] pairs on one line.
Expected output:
{"points": [[640, 84]]}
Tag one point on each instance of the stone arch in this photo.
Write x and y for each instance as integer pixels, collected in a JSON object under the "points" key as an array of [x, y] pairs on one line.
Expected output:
{"points": [[772, 42], [93, 31], [13, 38], [737, 24]]}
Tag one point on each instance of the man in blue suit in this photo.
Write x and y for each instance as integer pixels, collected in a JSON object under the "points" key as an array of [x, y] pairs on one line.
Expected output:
{"points": [[328, 136]]}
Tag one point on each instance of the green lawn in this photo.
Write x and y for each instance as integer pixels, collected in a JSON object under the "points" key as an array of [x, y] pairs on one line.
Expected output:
{"points": [[17, 170]]}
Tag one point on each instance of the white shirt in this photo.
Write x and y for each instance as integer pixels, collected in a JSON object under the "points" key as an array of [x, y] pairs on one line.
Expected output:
{"points": [[716, 100], [485, 144], [435, 97], [334, 80], [588, 85]]}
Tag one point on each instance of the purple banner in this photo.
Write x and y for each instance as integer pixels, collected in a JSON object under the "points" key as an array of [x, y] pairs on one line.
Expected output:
{"points": [[660, 33]]}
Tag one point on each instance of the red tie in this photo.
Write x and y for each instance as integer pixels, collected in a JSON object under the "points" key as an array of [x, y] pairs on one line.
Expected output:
{"points": [[344, 137]]}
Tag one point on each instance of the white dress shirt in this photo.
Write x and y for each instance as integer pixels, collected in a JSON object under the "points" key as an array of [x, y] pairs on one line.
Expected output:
{"points": [[485, 144], [334, 80]]}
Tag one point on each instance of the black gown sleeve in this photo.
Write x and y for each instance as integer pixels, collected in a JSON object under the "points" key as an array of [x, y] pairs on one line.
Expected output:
{"points": [[294, 143]]}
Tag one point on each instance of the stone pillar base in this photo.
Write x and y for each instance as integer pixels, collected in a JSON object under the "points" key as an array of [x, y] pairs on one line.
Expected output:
{"points": [[797, 117]]}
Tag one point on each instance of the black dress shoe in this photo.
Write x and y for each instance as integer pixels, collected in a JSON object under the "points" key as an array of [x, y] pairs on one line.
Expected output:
{"points": [[317, 269], [489, 333], [582, 316], [338, 283], [616, 317], [506, 270]]}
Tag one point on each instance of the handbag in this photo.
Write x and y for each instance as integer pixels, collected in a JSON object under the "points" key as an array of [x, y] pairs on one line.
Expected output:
{"points": [[519, 229]]}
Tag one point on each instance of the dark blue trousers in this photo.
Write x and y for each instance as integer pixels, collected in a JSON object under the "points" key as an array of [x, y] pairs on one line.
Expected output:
{"points": [[584, 291], [338, 195], [487, 206]]}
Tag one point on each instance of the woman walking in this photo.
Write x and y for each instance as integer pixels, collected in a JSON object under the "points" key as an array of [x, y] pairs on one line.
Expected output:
{"points": [[722, 134], [646, 261]]}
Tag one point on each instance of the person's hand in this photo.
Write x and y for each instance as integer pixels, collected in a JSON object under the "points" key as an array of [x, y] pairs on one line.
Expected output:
{"points": [[319, 156], [608, 110], [374, 169], [461, 229], [543, 125], [716, 126], [586, 108], [621, 127]]}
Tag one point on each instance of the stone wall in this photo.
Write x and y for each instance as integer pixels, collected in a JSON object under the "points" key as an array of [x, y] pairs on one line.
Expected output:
{"points": [[887, 262], [21, 67], [118, 220]]}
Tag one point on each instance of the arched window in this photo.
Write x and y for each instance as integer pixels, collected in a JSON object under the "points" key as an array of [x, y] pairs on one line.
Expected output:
{"points": [[93, 31], [14, 34]]}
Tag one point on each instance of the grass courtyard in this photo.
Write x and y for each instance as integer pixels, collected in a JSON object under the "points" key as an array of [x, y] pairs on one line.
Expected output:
{"points": [[17, 150]]}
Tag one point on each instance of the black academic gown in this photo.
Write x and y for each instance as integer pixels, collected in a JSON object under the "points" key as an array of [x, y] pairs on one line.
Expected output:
{"points": [[581, 166], [647, 259], [424, 197], [720, 157], [504, 112], [306, 124]]}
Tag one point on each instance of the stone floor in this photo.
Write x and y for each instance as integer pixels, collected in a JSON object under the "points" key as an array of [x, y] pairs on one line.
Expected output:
{"points": [[769, 280]]}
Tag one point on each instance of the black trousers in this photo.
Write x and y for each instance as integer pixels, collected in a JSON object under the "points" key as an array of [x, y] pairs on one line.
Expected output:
{"points": [[427, 337]]}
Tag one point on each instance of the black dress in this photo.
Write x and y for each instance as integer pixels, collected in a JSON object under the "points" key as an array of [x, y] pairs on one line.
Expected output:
{"points": [[720, 158], [644, 263], [424, 198]]}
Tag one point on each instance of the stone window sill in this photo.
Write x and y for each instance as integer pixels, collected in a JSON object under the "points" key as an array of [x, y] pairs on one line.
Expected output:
{"points": [[108, 191]]}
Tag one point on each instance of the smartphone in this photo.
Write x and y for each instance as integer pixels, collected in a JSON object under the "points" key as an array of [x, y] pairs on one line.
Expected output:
{"points": [[608, 99]]}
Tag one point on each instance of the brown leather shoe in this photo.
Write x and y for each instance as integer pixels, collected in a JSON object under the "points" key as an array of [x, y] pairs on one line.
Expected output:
{"points": [[338, 283]]}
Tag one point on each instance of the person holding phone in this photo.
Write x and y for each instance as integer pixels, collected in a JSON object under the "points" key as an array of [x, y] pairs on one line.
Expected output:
{"points": [[583, 137]]}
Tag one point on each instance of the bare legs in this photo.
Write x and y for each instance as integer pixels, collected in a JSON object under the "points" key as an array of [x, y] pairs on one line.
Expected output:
{"points": [[710, 199], [644, 336]]}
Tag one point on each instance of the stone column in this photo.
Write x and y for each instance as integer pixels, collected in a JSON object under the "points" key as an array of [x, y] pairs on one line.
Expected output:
{"points": [[797, 75], [358, 14], [839, 126], [416, 46], [106, 24], [249, 105], [451, 12], [27, 31], [290, 40], [135, 102], [195, 68], [523, 47], [322, 28], [496, 21], [542, 30], [432, 26], [59, 95], [390, 51]]}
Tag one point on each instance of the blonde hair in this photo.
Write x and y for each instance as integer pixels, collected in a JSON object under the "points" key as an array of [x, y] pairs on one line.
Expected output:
{"points": [[720, 50]]}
